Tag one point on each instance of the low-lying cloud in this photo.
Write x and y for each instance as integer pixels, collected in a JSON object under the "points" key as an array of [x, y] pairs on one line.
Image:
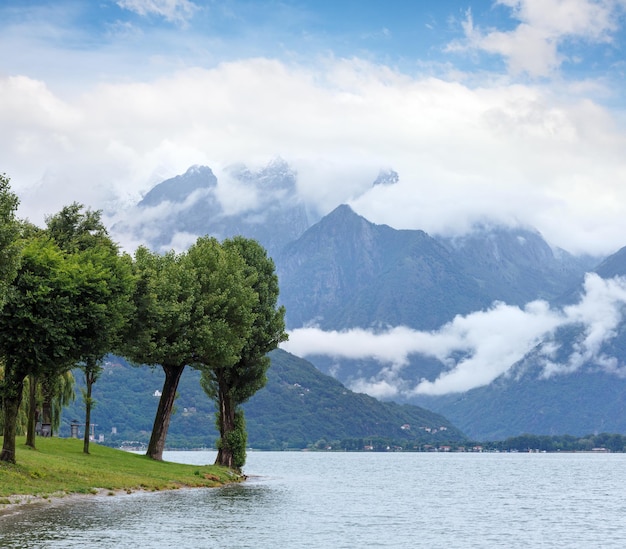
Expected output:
{"points": [[475, 349]]}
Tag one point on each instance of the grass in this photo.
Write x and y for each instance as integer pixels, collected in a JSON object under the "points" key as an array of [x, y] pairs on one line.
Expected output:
{"points": [[58, 467]]}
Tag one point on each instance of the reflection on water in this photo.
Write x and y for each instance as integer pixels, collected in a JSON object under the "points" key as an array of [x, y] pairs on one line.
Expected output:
{"points": [[241, 498]]}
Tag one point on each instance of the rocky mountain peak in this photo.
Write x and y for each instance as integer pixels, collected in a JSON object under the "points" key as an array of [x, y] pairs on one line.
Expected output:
{"points": [[386, 177], [178, 188]]}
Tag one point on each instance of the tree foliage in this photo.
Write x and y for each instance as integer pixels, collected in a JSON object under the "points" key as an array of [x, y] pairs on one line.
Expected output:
{"points": [[75, 298], [65, 306]]}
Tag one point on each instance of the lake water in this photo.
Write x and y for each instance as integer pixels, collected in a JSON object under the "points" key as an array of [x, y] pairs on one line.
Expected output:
{"points": [[348, 500]]}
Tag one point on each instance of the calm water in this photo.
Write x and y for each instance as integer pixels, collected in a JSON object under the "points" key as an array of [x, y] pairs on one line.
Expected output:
{"points": [[351, 500]]}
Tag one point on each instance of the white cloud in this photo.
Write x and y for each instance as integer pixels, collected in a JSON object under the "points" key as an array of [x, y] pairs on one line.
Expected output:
{"points": [[600, 312], [509, 152], [534, 46], [477, 348], [177, 11], [181, 241]]}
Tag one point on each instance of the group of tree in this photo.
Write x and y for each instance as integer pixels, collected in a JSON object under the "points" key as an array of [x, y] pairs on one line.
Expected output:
{"points": [[612, 442], [69, 297]]}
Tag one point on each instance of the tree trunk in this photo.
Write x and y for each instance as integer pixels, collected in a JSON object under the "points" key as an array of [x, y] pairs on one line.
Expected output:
{"points": [[89, 381], [164, 411], [226, 418], [11, 401], [32, 411]]}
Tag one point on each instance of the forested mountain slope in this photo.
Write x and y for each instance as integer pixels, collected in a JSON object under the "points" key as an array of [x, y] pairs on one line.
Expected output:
{"points": [[298, 407]]}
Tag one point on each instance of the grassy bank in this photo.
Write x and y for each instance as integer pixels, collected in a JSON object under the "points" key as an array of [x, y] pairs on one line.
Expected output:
{"points": [[58, 467]]}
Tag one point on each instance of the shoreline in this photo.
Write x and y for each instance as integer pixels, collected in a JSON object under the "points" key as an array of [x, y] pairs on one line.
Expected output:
{"points": [[58, 470], [20, 503]]}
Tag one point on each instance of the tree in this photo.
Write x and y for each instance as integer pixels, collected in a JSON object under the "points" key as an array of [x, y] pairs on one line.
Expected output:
{"points": [[223, 320], [232, 384], [38, 325], [160, 330], [104, 303], [9, 257], [47, 395]]}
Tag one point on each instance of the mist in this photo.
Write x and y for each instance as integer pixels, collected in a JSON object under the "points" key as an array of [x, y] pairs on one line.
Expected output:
{"points": [[476, 348]]}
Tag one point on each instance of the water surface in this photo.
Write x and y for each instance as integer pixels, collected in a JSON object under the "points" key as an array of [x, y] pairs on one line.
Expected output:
{"points": [[308, 499]]}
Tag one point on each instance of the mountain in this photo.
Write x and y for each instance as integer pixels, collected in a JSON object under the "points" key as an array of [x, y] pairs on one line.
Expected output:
{"points": [[584, 393], [298, 407], [614, 265], [301, 405], [345, 272], [516, 265], [178, 189], [261, 204], [587, 400]]}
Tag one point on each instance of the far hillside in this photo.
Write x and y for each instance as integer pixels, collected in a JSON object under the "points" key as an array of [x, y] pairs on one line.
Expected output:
{"points": [[299, 407]]}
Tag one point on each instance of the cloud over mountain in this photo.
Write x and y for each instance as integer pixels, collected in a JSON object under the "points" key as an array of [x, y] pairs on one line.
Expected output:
{"points": [[475, 349], [510, 152]]}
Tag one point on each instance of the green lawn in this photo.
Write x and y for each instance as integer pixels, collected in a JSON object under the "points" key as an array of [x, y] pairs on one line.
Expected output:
{"points": [[58, 467]]}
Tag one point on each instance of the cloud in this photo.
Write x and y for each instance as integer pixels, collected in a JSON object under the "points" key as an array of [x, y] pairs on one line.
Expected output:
{"points": [[535, 45], [513, 153], [599, 313], [176, 11], [477, 348]]}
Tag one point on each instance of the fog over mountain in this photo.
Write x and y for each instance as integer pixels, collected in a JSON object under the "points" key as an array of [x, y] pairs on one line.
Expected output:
{"points": [[262, 203], [476, 348]]}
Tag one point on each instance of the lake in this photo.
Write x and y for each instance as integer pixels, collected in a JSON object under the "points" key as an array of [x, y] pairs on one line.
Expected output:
{"points": [[347, 500]]}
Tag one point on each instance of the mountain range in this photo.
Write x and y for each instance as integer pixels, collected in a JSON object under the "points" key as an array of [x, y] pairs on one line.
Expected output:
{"points": [[340, 273]]}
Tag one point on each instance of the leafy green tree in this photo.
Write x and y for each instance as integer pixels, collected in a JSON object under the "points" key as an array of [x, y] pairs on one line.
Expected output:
{"points": [[77, 229], [232, 384], [9, 236], [38, 325], [160, 330], [104, 303], [223, 321]]}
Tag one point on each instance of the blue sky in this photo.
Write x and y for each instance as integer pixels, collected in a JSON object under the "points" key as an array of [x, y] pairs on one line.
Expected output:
{"points": [[406, 35], [509, 111]]}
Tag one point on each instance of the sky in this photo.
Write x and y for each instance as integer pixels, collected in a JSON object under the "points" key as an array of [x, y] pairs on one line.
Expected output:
{"points": [[490, 111], [507, 111]]}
